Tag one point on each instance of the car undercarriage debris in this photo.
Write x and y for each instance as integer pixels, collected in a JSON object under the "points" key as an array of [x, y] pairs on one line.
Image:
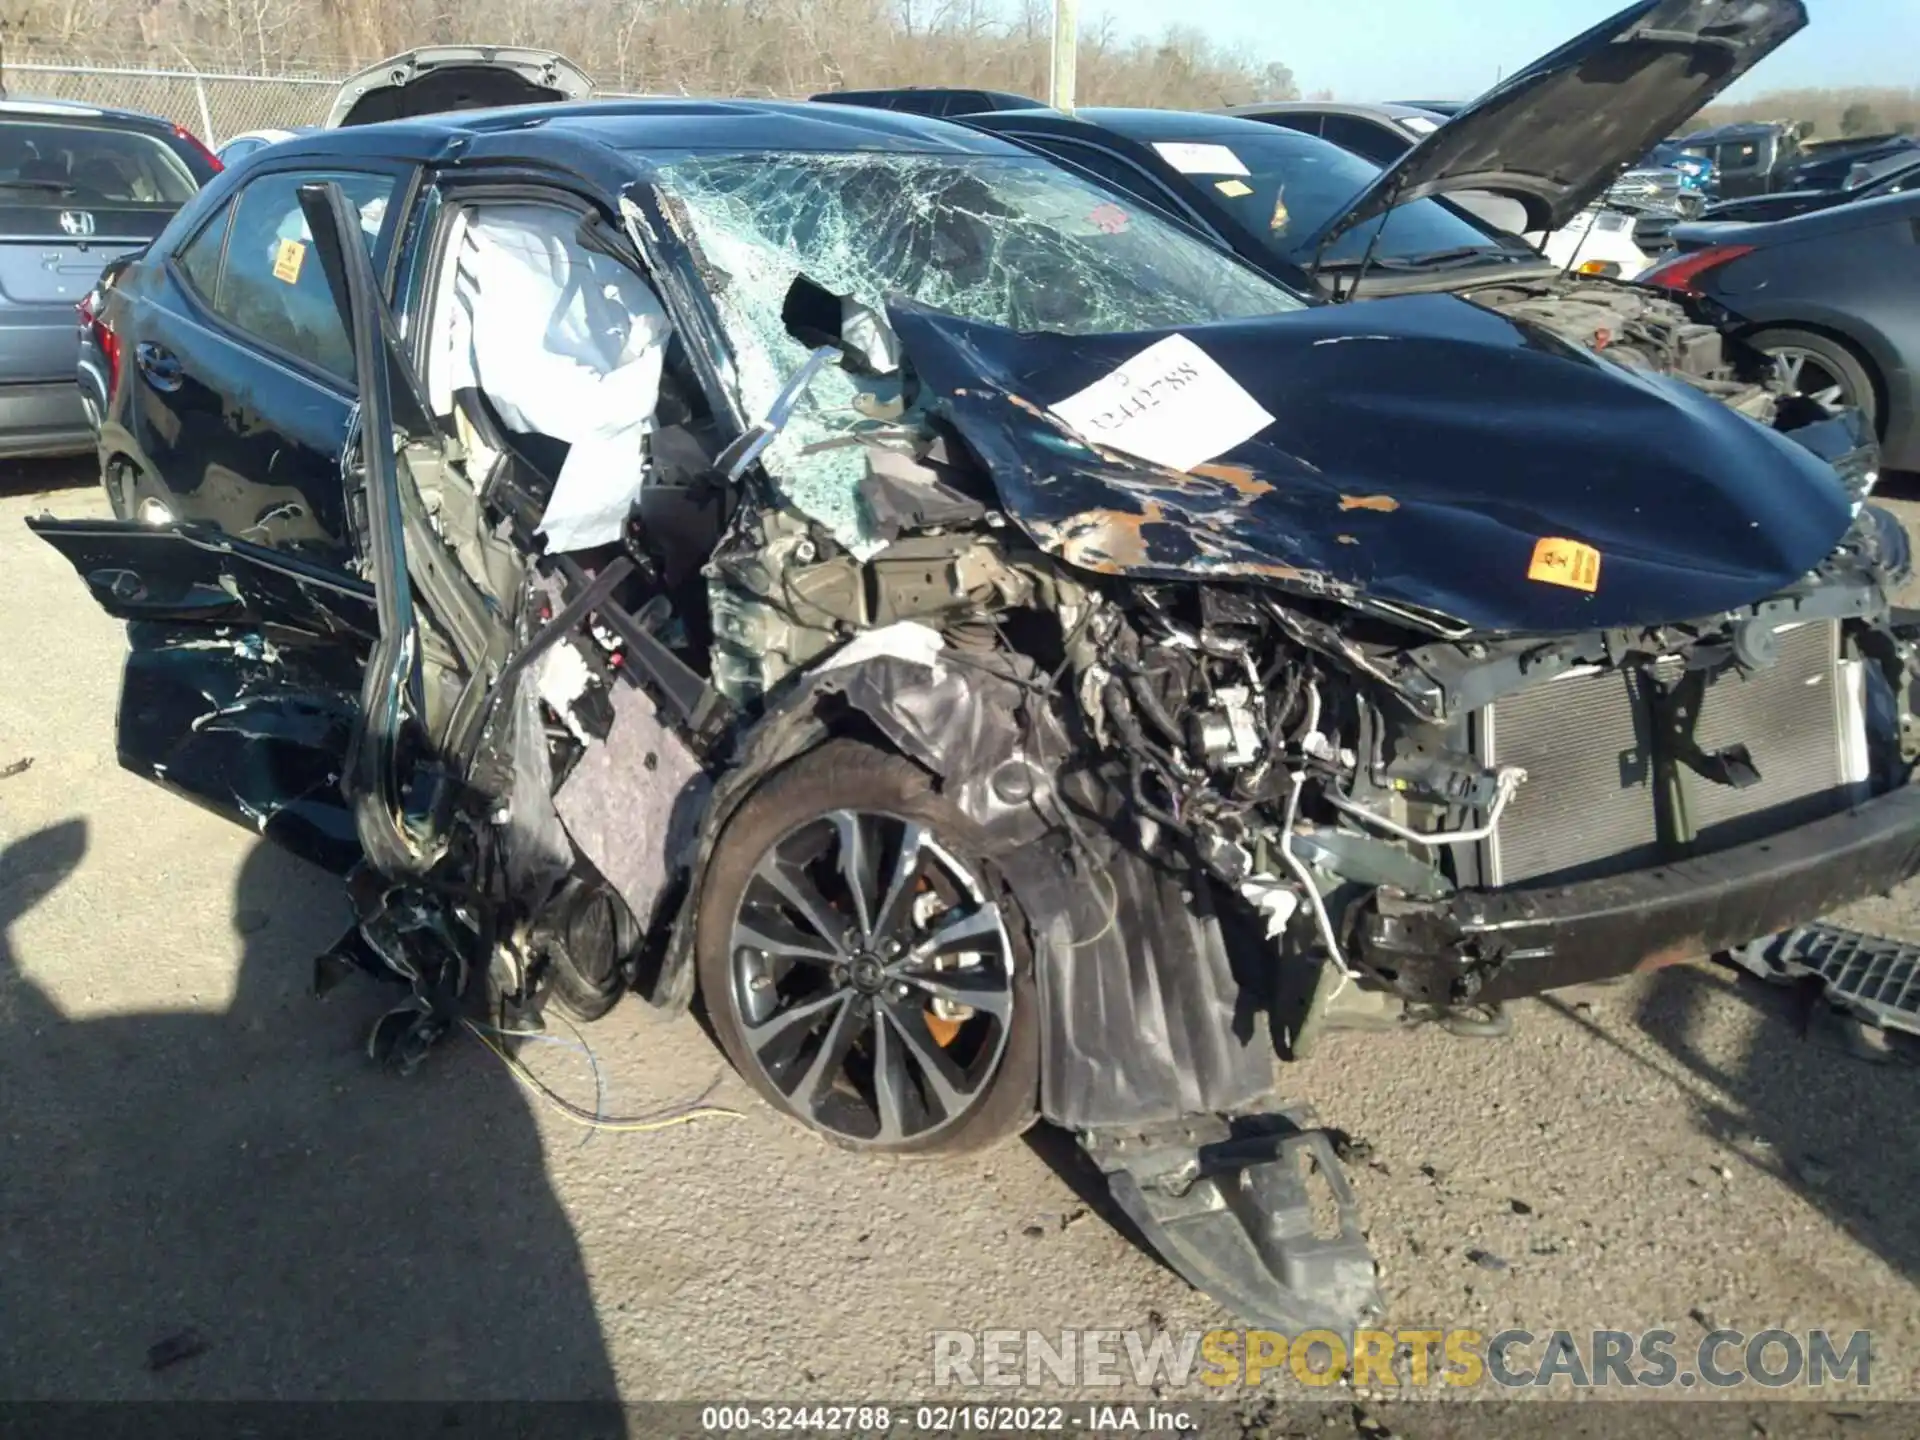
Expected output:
{"points": [[1229, 1204]]}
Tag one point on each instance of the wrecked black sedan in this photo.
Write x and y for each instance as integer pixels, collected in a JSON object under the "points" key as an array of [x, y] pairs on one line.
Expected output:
{"points": [[1004, 656]]}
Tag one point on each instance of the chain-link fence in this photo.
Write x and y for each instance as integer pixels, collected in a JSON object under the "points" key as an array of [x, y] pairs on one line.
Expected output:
{"points": [[216, 107]]}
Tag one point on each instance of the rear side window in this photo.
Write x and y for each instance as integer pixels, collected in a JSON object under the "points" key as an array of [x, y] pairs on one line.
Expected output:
{"points": [[65, 166], [1306, 123], [1363, 137], [1116, 170], [254, 265], [199, 258]]}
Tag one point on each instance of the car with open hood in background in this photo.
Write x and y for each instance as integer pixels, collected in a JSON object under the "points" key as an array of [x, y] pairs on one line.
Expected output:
{"points": [[79, 187], [1600, 240], [987, 643], [434, 79], [1323, 219]]}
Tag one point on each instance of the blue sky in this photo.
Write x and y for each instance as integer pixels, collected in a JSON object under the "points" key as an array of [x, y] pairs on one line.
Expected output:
{"points": [[1433, 50]]}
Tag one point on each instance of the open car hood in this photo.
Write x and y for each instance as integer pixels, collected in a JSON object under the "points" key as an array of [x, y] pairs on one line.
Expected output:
{"points": [[437, 78], [1555, 135], [1424, 456]]}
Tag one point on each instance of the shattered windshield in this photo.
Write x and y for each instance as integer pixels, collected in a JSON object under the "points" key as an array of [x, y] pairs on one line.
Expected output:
{"points": [[1010, 241]]}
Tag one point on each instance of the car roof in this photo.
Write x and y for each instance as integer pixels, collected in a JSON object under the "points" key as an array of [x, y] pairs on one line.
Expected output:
{"points": [[661, 123], [31, 107], [1001, 99], [1367, 109]]}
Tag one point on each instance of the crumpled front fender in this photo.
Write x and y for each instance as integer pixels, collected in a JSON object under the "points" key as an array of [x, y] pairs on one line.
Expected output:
{"points": [[966, 723]]}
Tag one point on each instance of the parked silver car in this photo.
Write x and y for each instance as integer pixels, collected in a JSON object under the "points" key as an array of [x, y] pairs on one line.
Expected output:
{"points": [[79, 187]]}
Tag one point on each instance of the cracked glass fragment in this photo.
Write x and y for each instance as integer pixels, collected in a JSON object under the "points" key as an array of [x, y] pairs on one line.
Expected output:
{"points": [[1003, 240]]}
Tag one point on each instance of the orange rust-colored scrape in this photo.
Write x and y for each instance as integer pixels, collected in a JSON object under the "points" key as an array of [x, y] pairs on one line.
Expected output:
{"points": [[1239, 477], [1385, 504], [1679, 953], [1108, 541]]}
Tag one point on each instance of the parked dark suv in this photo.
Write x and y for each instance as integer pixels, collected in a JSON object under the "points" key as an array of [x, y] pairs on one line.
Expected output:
{"points": [[79, 187]]}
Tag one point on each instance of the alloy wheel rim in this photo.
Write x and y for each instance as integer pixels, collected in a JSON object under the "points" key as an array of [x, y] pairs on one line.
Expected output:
{"points": [[1805, 374], [872, 976]]}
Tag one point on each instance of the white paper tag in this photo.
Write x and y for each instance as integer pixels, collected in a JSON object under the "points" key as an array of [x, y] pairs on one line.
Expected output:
{"points": [[1171, 405], [1191, 158]]}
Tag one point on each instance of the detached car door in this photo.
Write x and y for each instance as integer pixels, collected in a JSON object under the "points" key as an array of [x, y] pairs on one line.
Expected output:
{"points": [[241, 377], [242, 673]]}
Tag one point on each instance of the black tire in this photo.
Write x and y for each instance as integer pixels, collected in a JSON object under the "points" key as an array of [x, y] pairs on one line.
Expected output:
{"points": [[883, 790], [584, 942], [1841, 367]]}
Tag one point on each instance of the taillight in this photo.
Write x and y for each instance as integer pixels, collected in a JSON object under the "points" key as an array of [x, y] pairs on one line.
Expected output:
{"points": [[109, 343], [197, 143], [1683, 271]]}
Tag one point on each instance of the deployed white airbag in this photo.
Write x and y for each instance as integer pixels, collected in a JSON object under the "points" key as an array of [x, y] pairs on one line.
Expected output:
{"points": [[568, 343]]}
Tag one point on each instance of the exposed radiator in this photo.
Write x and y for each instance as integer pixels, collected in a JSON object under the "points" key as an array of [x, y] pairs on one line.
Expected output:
{"points": [[1589, 806]]}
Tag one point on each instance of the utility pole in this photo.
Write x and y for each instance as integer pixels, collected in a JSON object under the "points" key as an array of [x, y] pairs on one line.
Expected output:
{"points": [[1066, 34]]}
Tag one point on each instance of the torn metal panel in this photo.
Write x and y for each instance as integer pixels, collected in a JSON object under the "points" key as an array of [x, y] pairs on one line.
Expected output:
{"points": [[634, 803], [968, 723], [533, 839], [1392, 476], [253, 729]]}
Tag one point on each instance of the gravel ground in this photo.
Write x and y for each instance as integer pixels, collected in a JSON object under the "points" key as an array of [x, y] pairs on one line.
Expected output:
{"points": [[194, 1153]]}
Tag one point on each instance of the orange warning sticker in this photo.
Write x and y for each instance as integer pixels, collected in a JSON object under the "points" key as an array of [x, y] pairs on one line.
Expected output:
{"points": [[1565, 562], [287, 261]]}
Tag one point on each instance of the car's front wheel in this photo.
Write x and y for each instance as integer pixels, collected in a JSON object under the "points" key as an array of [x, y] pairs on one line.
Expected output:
{"points": [[861, 967]]}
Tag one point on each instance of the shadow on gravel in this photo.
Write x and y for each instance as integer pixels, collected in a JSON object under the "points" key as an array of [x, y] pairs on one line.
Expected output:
{"points": [[238, 1205], [33, 477], [1835, 1127]]}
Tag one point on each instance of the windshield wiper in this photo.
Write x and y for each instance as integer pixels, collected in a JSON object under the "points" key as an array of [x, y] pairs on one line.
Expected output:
{"points": [[51, 187], [1447, 257]]}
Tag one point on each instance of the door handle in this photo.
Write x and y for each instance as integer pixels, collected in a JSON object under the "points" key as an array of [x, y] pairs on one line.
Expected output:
{"points": [[161, 367]]}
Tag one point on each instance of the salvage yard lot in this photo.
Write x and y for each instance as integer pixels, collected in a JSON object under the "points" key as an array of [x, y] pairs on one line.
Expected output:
{"points": [[195, 1154]]}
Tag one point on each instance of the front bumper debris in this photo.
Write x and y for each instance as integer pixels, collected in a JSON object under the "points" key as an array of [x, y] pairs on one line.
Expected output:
{"points": [[1488, 945], [1226, 1203], [1872, 976]]}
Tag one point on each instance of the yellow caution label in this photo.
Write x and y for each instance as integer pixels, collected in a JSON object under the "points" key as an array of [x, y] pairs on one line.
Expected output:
{"points": [[287, 261], [1565, 562]]}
